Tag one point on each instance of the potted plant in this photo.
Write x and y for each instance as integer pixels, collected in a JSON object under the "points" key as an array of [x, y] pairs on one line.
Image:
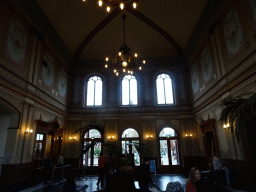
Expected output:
{"points": [[239, 113]]}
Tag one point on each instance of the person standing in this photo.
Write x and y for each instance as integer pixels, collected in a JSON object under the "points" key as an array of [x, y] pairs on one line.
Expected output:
{"points": [[60, 161], [221, 173], [59, 170], [101, 170], [110, 170], [216, 162], [47, 168], [145, 177]]}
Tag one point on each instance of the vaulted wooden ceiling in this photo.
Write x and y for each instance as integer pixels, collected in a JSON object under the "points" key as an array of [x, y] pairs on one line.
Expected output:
{"points": [[156, 29]]}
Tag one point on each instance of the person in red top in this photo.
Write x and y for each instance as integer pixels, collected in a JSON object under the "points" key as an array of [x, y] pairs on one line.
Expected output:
{"points": [[194, 182], [101, 170]]}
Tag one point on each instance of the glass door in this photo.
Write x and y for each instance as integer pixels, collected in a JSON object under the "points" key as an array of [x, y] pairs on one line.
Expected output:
{"points": [[169, 151]]}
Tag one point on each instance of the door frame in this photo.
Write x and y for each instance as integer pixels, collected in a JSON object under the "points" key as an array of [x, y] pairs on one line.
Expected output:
{"points": [[170, 168], [209, 126]]}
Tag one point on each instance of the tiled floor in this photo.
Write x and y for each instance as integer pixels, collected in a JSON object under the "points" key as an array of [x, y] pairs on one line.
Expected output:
{"points": [[159, 180]]}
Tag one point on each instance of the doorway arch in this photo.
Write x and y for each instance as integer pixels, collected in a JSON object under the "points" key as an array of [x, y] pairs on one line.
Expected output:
{"points": [[128, 137], [169, 150], [9, 117], [93, 138]]}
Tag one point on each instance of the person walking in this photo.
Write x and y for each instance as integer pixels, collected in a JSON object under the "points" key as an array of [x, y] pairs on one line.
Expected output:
{"points": [[101, 169]]}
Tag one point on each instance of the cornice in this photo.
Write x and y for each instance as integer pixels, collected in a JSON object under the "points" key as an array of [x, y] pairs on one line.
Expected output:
{"points": [[21, 89], [141, 110], [231, 83]]}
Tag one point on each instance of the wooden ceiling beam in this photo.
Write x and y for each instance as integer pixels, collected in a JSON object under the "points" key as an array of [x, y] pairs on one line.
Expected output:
{"points": [[136, 14], [146, 20], [94, 32]]}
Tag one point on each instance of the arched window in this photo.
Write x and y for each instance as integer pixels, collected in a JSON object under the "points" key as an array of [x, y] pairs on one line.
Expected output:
{"points": [[164, 89], [92, 138], [129, 90], [169, 147], [130, 136], [94, 91]]}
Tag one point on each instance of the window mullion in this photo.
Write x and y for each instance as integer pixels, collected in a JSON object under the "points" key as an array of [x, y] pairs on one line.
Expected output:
{"points": [[129, 92], [164, 91], [94, 93]]}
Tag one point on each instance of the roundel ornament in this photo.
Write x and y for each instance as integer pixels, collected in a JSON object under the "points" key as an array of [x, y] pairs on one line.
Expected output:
{"points": [[233, 32], [17, 40]]}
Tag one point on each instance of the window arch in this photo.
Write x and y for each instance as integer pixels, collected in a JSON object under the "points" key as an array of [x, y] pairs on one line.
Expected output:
{"points": [[128, 137], [169, 147], [129, 90], [92, 137], [164, 89], [94, 91]]}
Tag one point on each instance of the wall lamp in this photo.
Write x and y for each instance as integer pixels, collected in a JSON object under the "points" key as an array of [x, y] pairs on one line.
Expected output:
{"points": [[226, 125], [189, 135], [111, 137], [58, 138], [74, 138], [29, 131], [149, 136]]}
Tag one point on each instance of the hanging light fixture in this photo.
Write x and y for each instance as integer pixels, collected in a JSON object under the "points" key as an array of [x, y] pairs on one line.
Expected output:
{"points": [[124, 61], [117, 3]]}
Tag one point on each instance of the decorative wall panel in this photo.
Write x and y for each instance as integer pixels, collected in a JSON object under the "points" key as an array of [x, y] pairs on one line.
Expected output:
{"points": [[233, 33], [17, 41], [52, 78]]}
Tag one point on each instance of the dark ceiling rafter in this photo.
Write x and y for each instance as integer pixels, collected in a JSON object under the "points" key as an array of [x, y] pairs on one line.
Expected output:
{"points": [[136, 14], [94, 32], [156, 27]]}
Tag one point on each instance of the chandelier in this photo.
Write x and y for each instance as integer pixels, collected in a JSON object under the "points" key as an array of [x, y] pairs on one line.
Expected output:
{"points": [[117, 3], [124, 61]]}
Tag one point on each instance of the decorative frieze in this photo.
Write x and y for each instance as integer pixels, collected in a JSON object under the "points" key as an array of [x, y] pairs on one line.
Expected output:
{"points": [[12, 93], [30, 88]]}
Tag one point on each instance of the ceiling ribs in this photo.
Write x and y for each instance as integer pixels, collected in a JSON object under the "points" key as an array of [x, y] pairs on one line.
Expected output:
{"points": [[94, 32], [136, 14], [157, 28]]}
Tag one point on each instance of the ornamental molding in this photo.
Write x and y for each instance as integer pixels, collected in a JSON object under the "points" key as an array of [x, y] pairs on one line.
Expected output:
{"points": [[32, 90]]}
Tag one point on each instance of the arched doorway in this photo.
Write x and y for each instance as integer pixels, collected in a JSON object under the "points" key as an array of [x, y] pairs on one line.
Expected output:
{"points": [[92, 137], [128, 137], [9, 117], [169, 150]]}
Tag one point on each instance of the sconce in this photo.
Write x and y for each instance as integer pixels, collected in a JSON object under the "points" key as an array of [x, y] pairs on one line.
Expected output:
{"points": [[72, 139], [189, 135], [226, 125], [29, 131], [56, 138], [149, 136], [111, 138]]}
